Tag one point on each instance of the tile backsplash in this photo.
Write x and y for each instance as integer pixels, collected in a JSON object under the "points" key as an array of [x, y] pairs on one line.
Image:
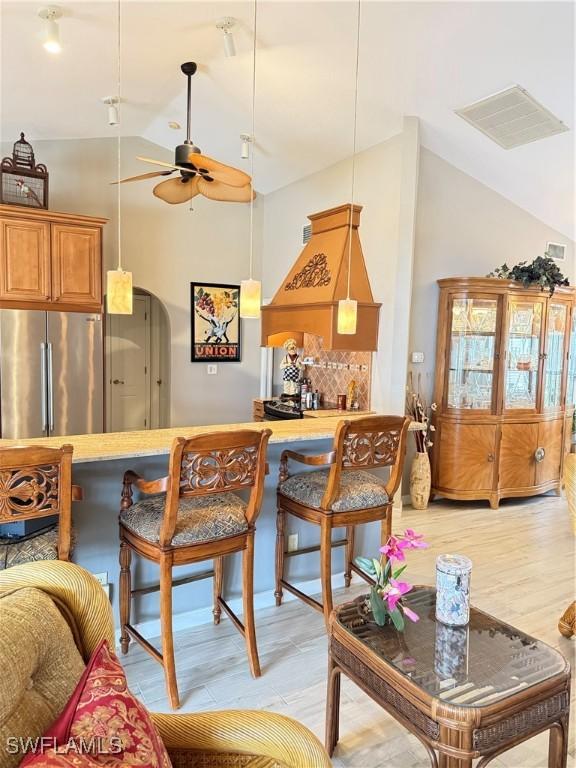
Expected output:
{"points": [[332, 371]]}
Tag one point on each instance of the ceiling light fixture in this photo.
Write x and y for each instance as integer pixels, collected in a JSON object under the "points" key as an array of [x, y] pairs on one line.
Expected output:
{"points": [[51, 37], [348, 308], [112, 102], [118, 281], [174, 125], [246, 140], [251, 290], [226, 24]]}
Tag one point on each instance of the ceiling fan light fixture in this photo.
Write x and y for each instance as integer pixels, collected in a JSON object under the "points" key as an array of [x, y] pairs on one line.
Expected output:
{"points": [[51, 35], [226, 25]]}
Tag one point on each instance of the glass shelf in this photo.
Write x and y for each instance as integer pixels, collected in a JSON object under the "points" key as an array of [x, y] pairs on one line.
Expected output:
{"points": [[472, 353], [571, 383]]}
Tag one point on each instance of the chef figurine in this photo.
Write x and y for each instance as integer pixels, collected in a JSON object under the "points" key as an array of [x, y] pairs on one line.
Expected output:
{"points": [[291, 367]]}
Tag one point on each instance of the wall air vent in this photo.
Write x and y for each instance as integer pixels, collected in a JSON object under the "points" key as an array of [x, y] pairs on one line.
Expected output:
{"points": [[306, 233], [512, 118]]}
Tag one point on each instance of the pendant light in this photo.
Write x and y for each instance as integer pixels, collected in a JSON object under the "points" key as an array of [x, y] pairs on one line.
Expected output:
{"points": [[348, 308], [251, 290], [118, 281]]}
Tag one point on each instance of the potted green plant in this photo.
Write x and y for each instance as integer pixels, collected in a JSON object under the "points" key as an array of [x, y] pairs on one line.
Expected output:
{"points": [[543, 272]]}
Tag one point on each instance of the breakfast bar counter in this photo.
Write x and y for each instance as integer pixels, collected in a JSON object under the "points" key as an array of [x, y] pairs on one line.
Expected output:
{"points": [[100, 461], [110, 446]]}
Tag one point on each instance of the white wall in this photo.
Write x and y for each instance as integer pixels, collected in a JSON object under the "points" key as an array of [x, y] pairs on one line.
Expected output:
{"points": [[464, 228], [379, 176], [165, 247]]}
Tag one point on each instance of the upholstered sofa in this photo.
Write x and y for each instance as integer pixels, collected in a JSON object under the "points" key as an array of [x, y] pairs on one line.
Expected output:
{"points": [[52, 616]]}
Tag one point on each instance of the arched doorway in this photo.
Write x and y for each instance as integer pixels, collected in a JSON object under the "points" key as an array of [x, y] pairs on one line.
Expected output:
{"points": [[137, 380]]}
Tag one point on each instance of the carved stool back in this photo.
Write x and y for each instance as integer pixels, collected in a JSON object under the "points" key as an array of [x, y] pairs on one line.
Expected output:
{"points": [[345, 495], [35, 483], [198, 516]]}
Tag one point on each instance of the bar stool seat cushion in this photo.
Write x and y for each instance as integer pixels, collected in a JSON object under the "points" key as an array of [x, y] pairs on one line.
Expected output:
{"points": [[358, 490], [200, 518], [40, 545]]}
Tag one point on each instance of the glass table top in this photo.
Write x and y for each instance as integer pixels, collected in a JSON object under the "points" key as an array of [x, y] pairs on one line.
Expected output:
{"points": [[472, 666]]}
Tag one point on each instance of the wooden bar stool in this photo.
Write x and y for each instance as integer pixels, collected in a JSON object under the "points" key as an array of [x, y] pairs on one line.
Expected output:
{"points": [[36, 483], [192, 517], [345, 495]]}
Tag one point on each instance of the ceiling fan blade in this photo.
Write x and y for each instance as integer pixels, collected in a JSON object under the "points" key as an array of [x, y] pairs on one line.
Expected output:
{"points": [[219, 171], [142, 176], [215, 190], [165, 165], [176, 190]]}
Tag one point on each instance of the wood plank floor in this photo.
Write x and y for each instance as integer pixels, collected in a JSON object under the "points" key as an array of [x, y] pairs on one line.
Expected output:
{"points": [[523, 556]]}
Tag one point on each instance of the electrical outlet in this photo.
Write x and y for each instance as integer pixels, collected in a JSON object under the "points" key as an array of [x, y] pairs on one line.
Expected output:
{"points": [[102, 578], [211, 370], [417, 357], [292, 542]]}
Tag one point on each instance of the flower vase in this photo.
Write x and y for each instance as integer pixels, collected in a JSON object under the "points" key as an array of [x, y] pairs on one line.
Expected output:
{"points": [[420, 480]]}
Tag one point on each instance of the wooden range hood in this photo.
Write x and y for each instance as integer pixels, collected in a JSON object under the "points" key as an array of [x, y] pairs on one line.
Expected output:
{"points": [[307, 300]]}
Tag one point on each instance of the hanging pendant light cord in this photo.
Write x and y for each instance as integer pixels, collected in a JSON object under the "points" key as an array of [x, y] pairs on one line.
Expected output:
{"points": [[354, 148], [119, 149], [252, 145]]}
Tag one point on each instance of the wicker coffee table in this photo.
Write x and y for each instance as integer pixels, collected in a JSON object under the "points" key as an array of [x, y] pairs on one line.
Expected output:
{"points": [[466, 692]]}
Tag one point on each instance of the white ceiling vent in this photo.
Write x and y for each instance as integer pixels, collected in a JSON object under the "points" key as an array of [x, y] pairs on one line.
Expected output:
{"points": [[512, 118]]}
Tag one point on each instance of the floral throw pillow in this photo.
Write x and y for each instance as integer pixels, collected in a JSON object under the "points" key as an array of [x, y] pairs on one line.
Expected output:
{"points": [[102, 724]]}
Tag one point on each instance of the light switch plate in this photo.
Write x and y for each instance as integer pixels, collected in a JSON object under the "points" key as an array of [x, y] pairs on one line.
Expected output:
{"points": [[417, 357], [212, 369]]}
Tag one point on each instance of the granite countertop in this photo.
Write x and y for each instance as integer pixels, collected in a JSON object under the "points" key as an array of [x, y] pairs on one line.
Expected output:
{"points": [[156, 442]]}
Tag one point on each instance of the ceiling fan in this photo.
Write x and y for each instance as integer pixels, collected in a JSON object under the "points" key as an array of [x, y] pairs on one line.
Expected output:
{"points": [[199, 174]]}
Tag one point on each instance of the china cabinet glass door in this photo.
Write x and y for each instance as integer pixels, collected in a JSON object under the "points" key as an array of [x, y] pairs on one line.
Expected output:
{"points": [[523, 354], [571, 383], [472, 353], [554, 356]]}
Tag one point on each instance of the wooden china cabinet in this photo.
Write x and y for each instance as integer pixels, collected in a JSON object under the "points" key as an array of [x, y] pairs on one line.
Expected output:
{"points": [[50, 260], [505, 388]]}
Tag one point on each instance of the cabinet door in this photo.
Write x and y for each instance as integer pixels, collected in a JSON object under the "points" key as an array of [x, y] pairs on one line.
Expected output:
{"points": [[467, 456], [76, 265], [554, 354], [571, 380], [472, 351], [523, 354], [517, 465], [549, 449], [24, 260]]}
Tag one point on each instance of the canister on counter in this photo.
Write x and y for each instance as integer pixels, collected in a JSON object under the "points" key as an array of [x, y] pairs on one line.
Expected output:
{"points": [[341, 402], [453, 589]]}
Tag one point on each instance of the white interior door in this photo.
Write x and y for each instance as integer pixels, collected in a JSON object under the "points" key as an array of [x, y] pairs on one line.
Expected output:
{"points": [[129, 368]]}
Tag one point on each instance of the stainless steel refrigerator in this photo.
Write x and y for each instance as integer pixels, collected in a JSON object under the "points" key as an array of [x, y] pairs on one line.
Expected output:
{"points": [[51, 373]]}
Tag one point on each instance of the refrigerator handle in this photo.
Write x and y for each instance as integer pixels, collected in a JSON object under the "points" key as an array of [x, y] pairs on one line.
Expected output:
{"points": [[43, 385], [50, 390]]}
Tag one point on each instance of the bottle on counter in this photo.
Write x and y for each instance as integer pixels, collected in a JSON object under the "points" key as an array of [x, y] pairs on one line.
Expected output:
{"points": [[309, 400], [316, 400], [303, 393]]}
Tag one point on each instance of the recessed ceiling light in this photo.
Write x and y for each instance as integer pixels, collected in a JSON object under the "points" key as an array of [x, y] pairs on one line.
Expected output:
{"points": [[174, 125], [50, 14], [512, 117]]}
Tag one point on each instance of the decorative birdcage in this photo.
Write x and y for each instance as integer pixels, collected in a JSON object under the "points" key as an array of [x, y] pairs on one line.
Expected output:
{"points": [[22, 182]]}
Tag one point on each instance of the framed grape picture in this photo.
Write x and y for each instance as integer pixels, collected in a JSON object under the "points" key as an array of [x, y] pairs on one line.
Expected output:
{"points": [[215, 323]]}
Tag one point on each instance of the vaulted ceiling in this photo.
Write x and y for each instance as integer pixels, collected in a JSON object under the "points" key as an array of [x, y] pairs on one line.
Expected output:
{"points": [[417, 58]]}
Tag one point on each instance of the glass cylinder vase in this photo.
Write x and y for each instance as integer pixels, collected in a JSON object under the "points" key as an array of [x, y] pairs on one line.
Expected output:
{"points": [[453, 589]]}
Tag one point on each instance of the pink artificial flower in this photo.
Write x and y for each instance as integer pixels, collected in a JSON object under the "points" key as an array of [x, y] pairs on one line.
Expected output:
{"points": [[393, 548], [394, 592], [410, 613], [413, 540]]}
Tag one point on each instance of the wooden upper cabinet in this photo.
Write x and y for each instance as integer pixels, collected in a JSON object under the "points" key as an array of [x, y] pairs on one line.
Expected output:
{"points": [[50, 260], [25, 263], [76, 264]]}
